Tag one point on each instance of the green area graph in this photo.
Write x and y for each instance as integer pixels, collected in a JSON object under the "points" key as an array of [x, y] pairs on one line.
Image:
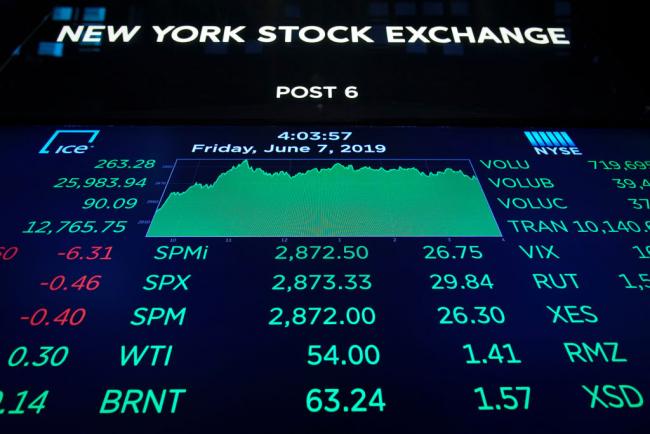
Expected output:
{"points": [[340, 200]]}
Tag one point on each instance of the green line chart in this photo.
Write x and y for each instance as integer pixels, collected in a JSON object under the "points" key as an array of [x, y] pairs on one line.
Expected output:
{"points": [[315, 198]]}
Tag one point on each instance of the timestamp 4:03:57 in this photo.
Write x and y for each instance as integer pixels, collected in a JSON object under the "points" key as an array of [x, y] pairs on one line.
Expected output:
{"points": [[341, 138]]}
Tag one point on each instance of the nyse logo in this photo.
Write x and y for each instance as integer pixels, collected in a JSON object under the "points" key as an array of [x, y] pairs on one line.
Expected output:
{"points": [[552, 143], [89, 137]]}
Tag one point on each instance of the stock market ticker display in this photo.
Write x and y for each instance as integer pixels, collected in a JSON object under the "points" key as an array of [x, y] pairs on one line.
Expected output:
{"points": [[324, 280]]}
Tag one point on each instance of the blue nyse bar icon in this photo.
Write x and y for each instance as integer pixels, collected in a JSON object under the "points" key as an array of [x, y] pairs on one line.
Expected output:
{"points": [[552, 143]]}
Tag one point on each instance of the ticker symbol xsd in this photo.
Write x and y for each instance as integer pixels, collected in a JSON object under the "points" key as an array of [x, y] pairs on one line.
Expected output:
{"points": [[70, 149], [552, 143]]}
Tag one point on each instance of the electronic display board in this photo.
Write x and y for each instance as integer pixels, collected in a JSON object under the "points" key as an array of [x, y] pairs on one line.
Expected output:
{"points": [[351, 279], [290, 217]]}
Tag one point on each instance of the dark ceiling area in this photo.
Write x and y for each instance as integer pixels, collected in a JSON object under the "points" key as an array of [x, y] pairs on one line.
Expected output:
{"points": [[19, 18]]}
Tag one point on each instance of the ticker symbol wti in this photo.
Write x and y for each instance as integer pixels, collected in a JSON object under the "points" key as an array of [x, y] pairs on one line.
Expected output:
{"points": [[552, 143], [89, 137]]}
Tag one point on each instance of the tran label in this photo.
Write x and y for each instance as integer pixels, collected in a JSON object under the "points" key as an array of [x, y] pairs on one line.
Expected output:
{"points": [[68, 148], [552, 143]]}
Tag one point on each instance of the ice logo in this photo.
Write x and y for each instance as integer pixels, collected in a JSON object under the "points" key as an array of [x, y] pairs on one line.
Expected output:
{"points": [[69, 148]]}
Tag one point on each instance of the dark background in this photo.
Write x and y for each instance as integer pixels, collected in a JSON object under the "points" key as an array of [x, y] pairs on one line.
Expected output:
{"points": [[600, 80]]}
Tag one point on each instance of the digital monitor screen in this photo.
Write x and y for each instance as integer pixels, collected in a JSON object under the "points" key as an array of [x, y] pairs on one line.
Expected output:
{"points": [[324, 217], [324, 279]]}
